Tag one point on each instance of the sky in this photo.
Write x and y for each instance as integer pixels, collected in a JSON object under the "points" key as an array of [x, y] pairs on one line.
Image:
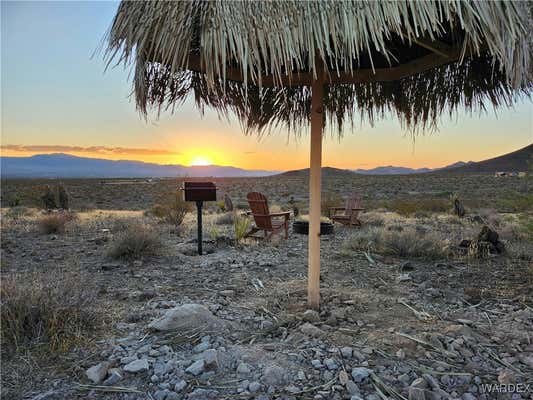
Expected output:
{"points": [[56, 97]]}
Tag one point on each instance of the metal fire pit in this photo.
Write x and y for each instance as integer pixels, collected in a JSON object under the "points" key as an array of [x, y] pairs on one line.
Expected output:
{"points": [[302, 227], [199, 192]]}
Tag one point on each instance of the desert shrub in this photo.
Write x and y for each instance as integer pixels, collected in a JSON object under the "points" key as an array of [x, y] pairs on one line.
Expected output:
{"points": [[85, 206], [405, 242], [62, 197], [48, 199], [171, 209], [241, 225], [54, 222], [515, 202], [17, 212], [55, 309], [12, 200], [135, 241], [411, 207], [225, 219], [214, 232]]}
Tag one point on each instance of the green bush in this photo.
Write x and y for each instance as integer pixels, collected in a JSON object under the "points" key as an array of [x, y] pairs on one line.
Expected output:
{"points": [[516, 202], [408, 207]]}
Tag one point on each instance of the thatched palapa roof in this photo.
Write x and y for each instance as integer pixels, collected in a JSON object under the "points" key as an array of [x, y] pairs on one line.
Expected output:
{"points": [[257, 58]]}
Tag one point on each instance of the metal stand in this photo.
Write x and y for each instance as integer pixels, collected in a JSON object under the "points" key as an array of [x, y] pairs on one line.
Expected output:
{"points": [[199, 205]]}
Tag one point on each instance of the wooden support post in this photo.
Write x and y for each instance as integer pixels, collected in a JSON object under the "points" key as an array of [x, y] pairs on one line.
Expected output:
{"points": [[315, 175]]}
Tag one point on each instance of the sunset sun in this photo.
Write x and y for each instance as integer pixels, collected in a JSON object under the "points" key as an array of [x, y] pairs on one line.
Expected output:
{"points": [[200, 161]]}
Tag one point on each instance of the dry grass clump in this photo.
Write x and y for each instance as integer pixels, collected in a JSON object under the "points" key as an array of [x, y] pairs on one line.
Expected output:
{"points": [[171, 209], [401, 242], [225, 219], [18, 212], [241, 225], [135, 241], [54, 309], [54, 222]]}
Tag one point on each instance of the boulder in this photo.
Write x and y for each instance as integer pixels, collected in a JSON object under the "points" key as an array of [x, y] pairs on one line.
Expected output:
{"points": [[187, 317], [97, 373], [137, 366]]}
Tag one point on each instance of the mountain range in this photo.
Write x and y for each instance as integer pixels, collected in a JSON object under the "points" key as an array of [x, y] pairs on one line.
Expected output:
{"points": [[67, 166], [61, 165]]}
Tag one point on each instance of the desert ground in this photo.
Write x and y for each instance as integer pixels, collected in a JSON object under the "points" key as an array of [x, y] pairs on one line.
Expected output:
{"points": [[110, 301]]}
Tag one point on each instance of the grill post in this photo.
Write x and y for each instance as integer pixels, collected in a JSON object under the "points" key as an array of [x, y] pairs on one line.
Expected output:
{"points": [[199, 204]]}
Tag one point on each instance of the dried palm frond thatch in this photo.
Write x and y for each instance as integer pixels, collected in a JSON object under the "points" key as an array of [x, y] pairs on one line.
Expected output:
{"points": [[256, 59]]}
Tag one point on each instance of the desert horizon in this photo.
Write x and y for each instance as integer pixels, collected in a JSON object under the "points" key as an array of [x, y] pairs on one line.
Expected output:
{"points": [[290, 200]]}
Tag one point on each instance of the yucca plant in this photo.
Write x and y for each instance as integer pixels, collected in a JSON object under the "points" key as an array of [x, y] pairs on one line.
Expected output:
{"points": [[241, 225]]}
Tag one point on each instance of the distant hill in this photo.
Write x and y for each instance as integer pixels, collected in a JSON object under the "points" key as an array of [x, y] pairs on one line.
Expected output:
{"points": [[326, 172], [68, 166], [515, 161]]}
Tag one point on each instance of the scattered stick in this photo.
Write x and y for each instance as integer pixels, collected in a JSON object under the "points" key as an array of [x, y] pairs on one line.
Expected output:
{"points": [[421, 315], [118, 389], [427, 344]]}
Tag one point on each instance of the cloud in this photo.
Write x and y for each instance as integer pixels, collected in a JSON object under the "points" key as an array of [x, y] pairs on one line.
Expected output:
{"points": [[103, 150]]}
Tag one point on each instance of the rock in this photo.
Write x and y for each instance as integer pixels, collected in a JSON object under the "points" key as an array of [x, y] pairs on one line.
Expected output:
{"points": [[346, 352], [172, 396], [137, 366], [161, 394], [465, 243], [196, 368], [330, 364], [211, 359], [273, 375], [200, 347], [243, 369], [202, 394], [254, 387], [356, 397], [98, 372], [311, 330], [311, 316], [506, 377], [228, 204], [403, 278], [419, 383], [114, 377], [180, 385], [343, 377], [359, 374], [316, 364], [416, 394], [352, 388], [187, 317], [406, 266], [147, 295], [488, 235]]}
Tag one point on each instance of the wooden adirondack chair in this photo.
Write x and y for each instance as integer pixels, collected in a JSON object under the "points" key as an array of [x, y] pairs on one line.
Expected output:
{"points": [[264, 220], [348, 215]]}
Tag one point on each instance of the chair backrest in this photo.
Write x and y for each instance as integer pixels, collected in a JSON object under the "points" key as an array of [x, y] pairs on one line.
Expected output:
{"points": [[354, 201], [259, 207]]}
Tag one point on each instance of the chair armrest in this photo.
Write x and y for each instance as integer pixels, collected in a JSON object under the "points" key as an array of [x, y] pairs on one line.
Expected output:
{"points": [[281, 214], [357, 209], [337, 208]]}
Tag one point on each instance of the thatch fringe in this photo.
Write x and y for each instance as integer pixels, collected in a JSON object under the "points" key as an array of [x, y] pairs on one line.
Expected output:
{"points": [[277, 38]]}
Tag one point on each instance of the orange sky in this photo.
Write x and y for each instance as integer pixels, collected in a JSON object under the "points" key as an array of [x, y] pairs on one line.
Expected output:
{"points": [[57, 98]]}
